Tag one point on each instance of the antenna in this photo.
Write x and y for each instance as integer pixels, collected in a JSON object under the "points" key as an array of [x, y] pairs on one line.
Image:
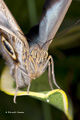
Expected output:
{"points": [[28, 38], [69, 28], [60, 34]]}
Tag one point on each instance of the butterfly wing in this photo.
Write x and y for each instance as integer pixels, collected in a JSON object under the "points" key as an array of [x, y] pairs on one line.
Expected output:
{"points": [[52, 16], [9, 24], [13, 44], [11, 30]]}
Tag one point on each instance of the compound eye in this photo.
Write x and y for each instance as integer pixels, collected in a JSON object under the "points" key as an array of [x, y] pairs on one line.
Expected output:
{"points": [[34, 53], [45, 54], [8, 47]]}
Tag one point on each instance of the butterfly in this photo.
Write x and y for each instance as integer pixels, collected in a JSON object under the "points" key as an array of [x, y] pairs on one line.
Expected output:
{"points": [[29, 59]]}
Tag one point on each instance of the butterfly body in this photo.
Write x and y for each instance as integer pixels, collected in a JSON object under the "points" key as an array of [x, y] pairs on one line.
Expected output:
{"points": [[38, 58]]}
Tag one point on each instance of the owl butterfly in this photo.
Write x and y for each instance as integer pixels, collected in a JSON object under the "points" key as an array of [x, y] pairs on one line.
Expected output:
{"points": [[29, 59]]}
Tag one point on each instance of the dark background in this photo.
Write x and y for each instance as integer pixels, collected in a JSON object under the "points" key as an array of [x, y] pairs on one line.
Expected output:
{"points": [[66, 56]]}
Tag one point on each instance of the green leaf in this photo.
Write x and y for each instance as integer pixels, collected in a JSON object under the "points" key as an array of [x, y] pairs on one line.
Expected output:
{"points": [[55, 97]]}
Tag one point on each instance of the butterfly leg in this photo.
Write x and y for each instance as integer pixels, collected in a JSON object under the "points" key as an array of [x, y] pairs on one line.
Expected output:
{"points": [[53, 75], [28, 88], [49, 71], [29, 84], [16, 86], [49, 76], [27, 75]]}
